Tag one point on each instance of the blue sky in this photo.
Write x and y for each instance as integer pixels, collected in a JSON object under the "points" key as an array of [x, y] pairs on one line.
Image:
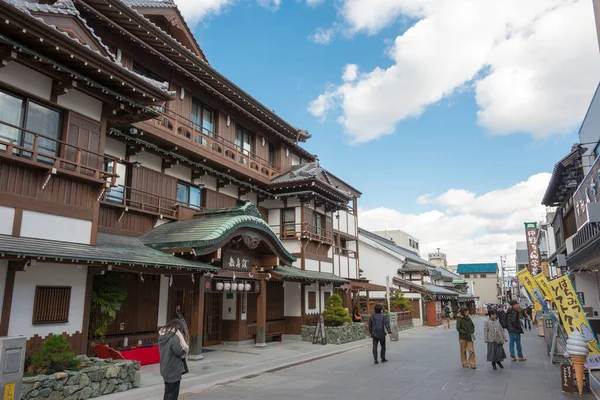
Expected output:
{"points": [[270, 52]]}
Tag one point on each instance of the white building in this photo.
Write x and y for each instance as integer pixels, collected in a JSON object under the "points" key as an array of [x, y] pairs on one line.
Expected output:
{"points": [[401, 239], [438, 258]]}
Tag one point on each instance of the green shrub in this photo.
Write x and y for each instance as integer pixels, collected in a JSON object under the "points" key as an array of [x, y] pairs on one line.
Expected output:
{"points": [[108, 295], [335, 314], [55, 355], [399, 303]]}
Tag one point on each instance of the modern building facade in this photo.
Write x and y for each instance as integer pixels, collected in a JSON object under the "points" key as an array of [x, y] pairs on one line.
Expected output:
{"points": [[482, 279], [438, 258], [401, 239], [124, 153]]}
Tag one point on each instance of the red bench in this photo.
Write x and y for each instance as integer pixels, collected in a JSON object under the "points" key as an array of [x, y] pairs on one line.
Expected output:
{"points": [[145, 355]]}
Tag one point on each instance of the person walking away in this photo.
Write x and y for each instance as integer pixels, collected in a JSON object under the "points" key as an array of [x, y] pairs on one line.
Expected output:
{"points": [[528, 317], [378, 324], [447, 317], [515, 330], [356, 317], [173, 346], [494, 336], [466, 330]]}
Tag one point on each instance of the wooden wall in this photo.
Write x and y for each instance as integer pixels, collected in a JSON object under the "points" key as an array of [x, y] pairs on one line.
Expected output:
{"points": [[132, 223], [86, 134], [154, 182], [215, 200]]}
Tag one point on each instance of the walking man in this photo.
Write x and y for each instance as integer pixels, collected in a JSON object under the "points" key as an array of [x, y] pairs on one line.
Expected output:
{"points": [[378, 324], [515, 330], [527, 317], [447, 317]]}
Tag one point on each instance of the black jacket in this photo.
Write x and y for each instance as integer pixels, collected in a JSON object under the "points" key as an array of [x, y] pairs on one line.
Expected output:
{"points": [[514, 322], [378, 323], [171, 353]]}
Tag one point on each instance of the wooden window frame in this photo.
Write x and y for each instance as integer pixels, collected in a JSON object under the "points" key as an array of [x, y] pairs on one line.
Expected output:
{"points": [[312, 300], [284, 231], [187, 203], [240, 129], [62, 315], [211, 133]]}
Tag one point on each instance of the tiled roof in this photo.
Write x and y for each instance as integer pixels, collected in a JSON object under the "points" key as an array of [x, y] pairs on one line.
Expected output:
{"points": [[439, 290], [388, 244], [150, 3], [210, 228], [307, 172], [305, 275], [110, 249], [490, 268]]}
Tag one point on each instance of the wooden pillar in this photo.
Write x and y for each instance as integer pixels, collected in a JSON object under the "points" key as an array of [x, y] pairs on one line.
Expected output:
{"points": [[368, 303], [261, 314], [197, 328], [87, 306], [9, 286]]}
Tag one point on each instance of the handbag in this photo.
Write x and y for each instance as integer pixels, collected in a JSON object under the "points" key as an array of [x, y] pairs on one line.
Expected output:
{"points": [[184, 367]]}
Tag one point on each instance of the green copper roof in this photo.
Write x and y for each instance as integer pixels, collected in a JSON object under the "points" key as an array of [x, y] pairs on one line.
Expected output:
{"points": [[210, 228], [110, 249], [300, 274]]}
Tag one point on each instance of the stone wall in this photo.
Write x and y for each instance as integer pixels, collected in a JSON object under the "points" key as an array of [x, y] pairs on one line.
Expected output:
{"points": [[97, 378], [337, 334]]}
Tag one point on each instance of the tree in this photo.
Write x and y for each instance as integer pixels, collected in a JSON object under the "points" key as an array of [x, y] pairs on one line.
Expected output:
{"points": [[55, 355], [335, 314], [108, 294], [398, 302]]}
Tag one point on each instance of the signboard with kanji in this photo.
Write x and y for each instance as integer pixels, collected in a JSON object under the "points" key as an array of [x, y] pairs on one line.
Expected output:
{"points": [[236, 261], [533, 250], [543, 283], [573, 317]]}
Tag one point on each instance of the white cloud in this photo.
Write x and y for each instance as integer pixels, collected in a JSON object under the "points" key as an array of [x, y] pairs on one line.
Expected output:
{"points": [[534, 65], [314, 3], [350, 73], [197, 10], [323, 36], [425, 199], [270, 4], [468, 227]]}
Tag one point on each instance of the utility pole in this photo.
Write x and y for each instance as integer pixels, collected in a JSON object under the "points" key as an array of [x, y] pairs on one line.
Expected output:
{"points": [[502, 261]]}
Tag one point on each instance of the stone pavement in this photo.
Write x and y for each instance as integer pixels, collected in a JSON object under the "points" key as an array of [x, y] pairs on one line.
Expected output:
{"points": [[229, 363], [423, 366]]}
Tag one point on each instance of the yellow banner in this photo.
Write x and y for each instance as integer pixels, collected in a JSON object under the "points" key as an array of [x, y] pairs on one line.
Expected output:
{"points": [[543, 283], [545, 268], [573, 317], [530, 285]]}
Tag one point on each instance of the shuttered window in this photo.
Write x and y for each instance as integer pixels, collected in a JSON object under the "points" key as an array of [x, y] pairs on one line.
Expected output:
{"points": [[312, 300], [51, 304]]}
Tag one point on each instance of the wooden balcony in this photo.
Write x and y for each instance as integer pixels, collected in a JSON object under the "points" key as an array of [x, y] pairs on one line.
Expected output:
{"points": [[344, 252], [303, 231], [54, 156], [210, 145], [588, 232], [137, 200]]}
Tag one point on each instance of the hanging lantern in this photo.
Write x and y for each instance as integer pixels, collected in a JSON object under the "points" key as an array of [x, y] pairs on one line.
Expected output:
{"points": [[227, 286], [240, 287], [234, 287], [248, 287], [219, 285]]}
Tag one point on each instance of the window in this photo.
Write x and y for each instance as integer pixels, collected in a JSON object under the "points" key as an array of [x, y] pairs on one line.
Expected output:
{"points": [[203, 118], [272, 154], [319, 223], [483, 276], [51, 305], [188, 195], [312, 300], [117, 194], [467, 276], [28, 114], [326, 297], [143, 71], [288, 220], [344, 246], [244, 140]]}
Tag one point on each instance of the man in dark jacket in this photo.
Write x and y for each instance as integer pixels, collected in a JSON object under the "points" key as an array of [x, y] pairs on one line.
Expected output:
{"points": [[515, 330], [378, 323]]}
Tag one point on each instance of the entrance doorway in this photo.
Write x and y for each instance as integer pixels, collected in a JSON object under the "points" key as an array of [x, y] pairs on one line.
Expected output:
{"points": [[213, 311]]}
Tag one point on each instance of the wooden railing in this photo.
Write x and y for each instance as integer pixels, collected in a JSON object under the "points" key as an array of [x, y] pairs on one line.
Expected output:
{"points": [[184, 128], [44, 151], [303, 231], [138, 200], [344, 252]]}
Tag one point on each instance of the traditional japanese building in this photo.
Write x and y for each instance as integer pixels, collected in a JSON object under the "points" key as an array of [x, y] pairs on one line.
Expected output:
{"points": [[124, 153]]}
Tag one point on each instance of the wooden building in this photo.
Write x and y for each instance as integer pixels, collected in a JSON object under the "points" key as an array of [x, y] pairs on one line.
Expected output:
{"points": [[123, 151]]}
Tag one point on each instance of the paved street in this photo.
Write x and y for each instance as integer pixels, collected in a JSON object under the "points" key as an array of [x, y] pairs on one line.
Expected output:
{"points": [[424, 365]]}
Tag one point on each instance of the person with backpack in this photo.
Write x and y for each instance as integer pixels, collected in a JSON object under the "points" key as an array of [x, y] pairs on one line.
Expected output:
{"points": [[447, 317], [466, 333], [378, 324], [501, 316], [515, 330]]}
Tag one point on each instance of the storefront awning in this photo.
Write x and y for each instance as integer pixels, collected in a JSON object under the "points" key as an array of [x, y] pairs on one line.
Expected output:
{"points": [[357, 285], [293, 273], [414, 287], [428, 289], [585, 256], [109, 250], [211, 229]]}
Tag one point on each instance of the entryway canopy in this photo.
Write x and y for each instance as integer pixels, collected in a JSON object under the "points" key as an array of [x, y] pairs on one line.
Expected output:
{"points": [[210, 230]]}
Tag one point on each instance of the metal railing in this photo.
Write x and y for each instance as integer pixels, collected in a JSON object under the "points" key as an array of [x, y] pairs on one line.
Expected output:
{"points": [[184, 128], [40, 150], [303, 231], [139, 200], [587, 232]]}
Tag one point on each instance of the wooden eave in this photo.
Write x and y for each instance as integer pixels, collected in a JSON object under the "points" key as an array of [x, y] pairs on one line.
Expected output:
{"points": [[47, 41], [176, 56], [310, 184]]}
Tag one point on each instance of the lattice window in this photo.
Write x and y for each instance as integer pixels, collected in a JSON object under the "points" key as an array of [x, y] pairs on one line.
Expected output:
{"points": [[51, 304], [312, 300]]}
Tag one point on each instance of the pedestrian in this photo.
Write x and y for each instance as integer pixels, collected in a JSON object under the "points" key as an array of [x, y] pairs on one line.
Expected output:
{"points": [[356, 317], [173, 346], [494, 336], [447, 317], [515, 330], [378, 324], [528, 317], [466, 332]]}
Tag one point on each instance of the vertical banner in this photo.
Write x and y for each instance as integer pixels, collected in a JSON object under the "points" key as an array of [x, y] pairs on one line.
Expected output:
{"points": [[573, 317], [544, 285], [533, 250], [531, 286], [546, 269]]}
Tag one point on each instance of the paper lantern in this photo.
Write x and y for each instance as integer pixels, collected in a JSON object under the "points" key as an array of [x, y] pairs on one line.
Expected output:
{"points": [[240, 287], [219, 285], [248, 287], [227, 286], [234, 287]]}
